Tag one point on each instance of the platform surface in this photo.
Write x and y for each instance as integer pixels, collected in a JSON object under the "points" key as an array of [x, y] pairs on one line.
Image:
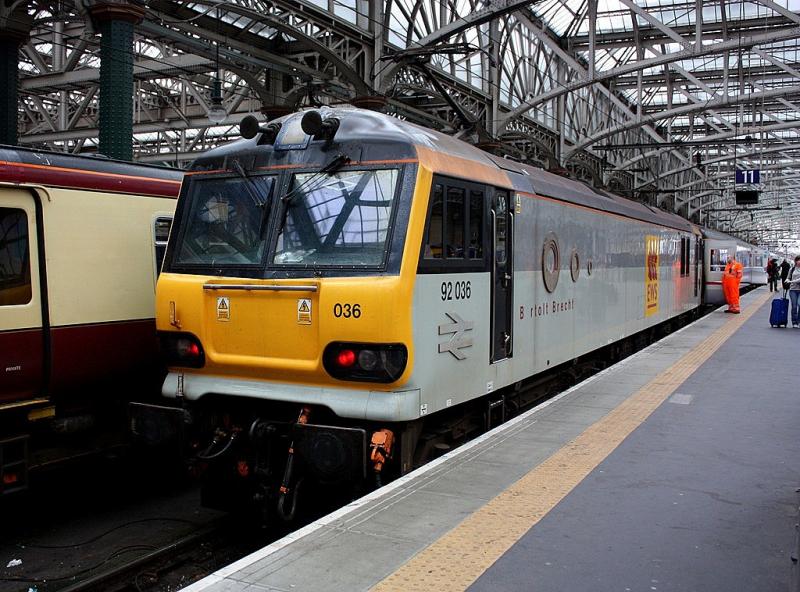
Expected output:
{"points": [[674, 470]]}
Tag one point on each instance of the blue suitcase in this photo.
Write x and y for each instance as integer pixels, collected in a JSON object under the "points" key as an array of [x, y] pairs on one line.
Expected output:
{"points": [[779, 315]]}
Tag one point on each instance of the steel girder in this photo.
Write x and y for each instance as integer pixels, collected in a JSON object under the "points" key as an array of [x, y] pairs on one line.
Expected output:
{"points": [[546, 79]]}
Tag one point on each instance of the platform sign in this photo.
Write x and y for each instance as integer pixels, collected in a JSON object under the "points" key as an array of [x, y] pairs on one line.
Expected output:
{"points": [[651, 275], [748, 177], [746, 197]]}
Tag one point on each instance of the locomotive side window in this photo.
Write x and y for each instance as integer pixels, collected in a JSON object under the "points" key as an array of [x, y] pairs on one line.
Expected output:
{"points": [[15, 265], [455, 233], [684, 257], [434, 246], [455, 222], [475, 225]]}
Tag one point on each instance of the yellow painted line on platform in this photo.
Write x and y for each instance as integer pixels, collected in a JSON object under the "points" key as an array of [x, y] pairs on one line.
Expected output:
{"points": [[457, 559]]}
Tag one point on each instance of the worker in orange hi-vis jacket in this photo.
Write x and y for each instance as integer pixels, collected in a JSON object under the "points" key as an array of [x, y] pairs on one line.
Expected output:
{"points": [[731, 279]]}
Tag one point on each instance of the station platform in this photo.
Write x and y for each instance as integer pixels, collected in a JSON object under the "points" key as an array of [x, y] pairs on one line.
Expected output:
{"points": [[674, 470]]}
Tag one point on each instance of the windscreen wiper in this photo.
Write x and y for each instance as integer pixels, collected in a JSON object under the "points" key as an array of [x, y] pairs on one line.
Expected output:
{"points": [[334, 165], [253, 191]]}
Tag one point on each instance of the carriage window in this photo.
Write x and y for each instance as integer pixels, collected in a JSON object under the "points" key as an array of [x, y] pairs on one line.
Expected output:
{"points": [[719, 258], [161, 228], [454, 223], [15, 265], [434, 248], [337, 219]]}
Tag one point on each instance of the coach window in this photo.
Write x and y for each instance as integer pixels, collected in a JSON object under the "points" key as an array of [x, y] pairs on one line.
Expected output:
{"points": [[15, 264], [161, 228], [719, 258]]}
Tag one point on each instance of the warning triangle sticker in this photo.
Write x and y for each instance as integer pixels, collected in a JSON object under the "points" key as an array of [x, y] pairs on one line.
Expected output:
{"points": [[223, 304], [304, 306]]}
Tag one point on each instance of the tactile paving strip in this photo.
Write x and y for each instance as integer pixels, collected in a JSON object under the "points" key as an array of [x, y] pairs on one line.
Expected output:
{"points": [[457, 559]]}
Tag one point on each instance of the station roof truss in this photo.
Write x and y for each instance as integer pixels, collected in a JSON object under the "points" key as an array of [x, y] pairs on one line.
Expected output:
{"points": [[606, 90]]}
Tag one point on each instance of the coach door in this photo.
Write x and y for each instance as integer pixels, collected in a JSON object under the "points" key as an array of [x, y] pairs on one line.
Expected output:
{"points": [[21, 331], [502, 276]]}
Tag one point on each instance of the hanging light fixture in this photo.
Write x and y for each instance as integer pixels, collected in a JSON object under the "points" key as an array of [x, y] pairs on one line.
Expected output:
{"points": [[217, 112]]}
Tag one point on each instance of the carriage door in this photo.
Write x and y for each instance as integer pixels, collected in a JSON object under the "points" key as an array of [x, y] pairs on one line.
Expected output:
{"points": [[21, 327], [502, 276]]}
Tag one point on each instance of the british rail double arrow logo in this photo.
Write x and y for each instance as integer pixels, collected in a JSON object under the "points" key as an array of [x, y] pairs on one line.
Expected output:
{"points": [[459, 340]]}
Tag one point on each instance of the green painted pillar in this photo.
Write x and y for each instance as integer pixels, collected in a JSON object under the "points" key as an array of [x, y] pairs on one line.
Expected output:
{"points": [[115, 22], [9, 50], [14, 29]]}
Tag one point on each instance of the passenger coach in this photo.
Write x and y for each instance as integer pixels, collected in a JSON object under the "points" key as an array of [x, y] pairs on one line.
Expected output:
{"points": [[81, 241], [343, 275]]}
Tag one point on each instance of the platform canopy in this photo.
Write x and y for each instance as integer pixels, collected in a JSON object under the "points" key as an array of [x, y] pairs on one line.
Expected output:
{"points": [[658, 100]]}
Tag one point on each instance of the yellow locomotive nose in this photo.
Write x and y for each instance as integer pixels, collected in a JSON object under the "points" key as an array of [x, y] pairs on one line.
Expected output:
{"points": [[298, 330], [269, 326]]}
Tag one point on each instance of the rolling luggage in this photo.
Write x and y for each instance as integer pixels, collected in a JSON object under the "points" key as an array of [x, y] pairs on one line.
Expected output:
{"points": [[779, 315]]}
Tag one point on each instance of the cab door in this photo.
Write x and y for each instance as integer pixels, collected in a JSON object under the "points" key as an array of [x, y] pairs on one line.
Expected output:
{"points": [[21, 327], [502, 221], [698, 255]]}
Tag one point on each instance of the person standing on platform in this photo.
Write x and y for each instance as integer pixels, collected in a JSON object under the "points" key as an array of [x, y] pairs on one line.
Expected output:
{"points": [[731, 279], [785, 267], [794, 292], [773, 273]]}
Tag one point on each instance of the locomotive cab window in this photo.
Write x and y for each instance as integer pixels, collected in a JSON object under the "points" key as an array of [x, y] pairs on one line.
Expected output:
{"points": [[226, 222], [340, 219], [15, 265], [454, 234]]}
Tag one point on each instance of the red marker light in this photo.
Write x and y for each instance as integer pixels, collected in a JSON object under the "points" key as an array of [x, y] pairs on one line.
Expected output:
{"points": [[193, 350], [346, 358]]}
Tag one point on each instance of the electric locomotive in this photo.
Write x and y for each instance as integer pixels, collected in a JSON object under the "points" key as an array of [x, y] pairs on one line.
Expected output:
{"points": [[340, 278]]}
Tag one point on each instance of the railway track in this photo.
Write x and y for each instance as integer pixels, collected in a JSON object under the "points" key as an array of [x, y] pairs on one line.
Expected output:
{"points": [[172, 565]]}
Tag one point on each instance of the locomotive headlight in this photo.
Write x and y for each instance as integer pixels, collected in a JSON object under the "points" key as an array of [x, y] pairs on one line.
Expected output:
{"points": [[367, 362], [181, 349]]}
